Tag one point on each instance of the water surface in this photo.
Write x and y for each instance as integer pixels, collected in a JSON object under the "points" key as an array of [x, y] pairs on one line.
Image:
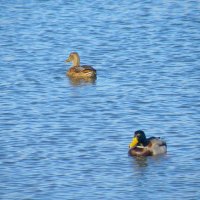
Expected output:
{"points": [[65, 140]]}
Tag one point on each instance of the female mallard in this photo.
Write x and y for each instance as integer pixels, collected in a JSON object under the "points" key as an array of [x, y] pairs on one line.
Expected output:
{"points": [[78, 71], [141, 146]]}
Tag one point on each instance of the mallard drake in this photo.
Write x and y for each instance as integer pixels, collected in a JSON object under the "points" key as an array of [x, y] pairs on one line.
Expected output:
{"points": [[78, 71], [142, 146]]}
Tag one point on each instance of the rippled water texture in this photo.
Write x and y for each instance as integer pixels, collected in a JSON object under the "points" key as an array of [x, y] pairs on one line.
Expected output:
{"points": [[67, 140]]}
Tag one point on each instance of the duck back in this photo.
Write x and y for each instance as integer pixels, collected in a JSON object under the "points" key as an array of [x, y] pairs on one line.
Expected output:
{"points": [[158, 146], [83, 71]]}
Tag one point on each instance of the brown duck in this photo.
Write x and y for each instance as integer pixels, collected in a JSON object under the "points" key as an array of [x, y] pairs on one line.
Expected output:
{"points": [[78, 71]]}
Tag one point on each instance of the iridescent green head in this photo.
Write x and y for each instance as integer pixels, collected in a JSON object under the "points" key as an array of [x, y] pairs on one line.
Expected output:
{"points": [[139, 138]]}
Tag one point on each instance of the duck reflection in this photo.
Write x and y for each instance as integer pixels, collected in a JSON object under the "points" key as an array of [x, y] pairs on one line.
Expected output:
{"points": [[139, 167], [82, 81], [141, 161]]}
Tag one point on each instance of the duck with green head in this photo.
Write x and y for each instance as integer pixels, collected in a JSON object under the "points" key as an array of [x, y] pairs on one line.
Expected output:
{"points": [[78, 71], [142, 146]]}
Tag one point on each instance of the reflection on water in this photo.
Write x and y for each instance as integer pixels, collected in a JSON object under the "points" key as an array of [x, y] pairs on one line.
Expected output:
{"points": [[140, 161], [82, 81]]}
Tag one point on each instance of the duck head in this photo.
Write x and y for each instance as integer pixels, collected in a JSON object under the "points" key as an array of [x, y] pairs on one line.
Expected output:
{"points": [[139, 138], [74, 58]]}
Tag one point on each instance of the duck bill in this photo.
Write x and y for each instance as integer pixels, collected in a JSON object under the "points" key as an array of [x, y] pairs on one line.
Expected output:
{"points": [[133, 143], [68, 60]]}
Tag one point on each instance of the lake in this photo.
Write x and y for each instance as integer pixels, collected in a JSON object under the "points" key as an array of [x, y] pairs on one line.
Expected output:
{"points": [[69, 140]]}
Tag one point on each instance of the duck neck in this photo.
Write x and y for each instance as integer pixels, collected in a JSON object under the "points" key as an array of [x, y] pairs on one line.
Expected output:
{"points": [[76, 61], [144, 142]]}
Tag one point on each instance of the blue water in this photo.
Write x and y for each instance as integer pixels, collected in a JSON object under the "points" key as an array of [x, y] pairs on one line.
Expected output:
{"points": [[66, 140]]}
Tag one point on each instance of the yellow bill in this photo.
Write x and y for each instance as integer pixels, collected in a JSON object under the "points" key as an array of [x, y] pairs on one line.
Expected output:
{"points": [[133, 143]]}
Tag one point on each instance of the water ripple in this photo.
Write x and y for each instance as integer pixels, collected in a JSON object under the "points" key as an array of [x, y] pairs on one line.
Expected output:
{"points": [[66, 139]]}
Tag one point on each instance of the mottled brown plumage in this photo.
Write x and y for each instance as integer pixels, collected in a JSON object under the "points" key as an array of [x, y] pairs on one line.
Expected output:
{"points": [[78, 71]]}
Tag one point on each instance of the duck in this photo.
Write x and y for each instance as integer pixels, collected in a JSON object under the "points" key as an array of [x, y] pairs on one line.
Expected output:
{"points": [[142, 146], [77, 71]]}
